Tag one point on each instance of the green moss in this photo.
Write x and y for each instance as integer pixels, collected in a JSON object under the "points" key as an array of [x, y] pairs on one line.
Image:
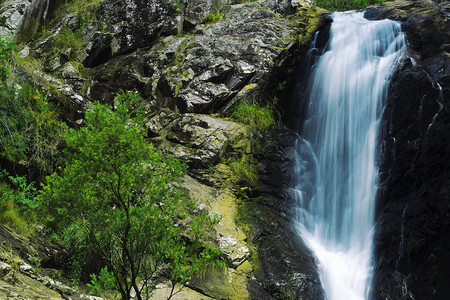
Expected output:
{"points": [[308, 19]]}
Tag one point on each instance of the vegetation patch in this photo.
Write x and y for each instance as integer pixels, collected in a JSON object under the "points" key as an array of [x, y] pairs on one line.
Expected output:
{"points": [[67, 38], [16, 201], [76, 6], [245, 172], [117, 198], [260, 118], [343, 5], [30, 127], [213, 17]]}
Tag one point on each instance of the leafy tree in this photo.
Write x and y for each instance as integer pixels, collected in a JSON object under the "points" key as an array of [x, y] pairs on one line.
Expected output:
{"points": [[117, 196]]}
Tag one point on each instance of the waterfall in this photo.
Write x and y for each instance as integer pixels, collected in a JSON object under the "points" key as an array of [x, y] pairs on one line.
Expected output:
{"points": [[336, 173]]}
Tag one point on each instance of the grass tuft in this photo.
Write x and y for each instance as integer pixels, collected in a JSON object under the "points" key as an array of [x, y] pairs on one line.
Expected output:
{"points": [[259, 117]]}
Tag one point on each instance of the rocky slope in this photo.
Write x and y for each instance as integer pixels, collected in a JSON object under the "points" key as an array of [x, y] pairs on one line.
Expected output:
{"points": [[413, 214], [191, 70]]}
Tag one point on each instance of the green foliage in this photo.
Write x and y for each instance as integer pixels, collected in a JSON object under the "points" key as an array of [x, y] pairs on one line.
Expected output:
{"points": [[213, 17], [177, 4], [29, 125], [30, 128], [101, 283], [281, 86], [36, 261], [16, 202], [14, 117], [259, 117], [76, 6], [118, 197], [67, 38], [22, 192], [343, 5], [7, 47], [44, 133]]}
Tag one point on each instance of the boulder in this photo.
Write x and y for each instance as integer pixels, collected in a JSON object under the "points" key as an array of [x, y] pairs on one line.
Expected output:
{"points": [[200, 140], [130, 24]]}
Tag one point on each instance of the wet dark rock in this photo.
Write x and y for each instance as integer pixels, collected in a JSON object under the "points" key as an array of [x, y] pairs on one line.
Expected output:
{"points": [[413, 208], [286, 268]]}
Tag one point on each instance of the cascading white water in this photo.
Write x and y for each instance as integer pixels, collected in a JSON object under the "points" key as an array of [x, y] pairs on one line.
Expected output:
{"points": [[347, 89]]}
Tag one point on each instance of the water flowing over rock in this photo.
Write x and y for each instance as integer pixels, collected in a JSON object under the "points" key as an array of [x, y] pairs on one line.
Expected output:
{"points": [[335, 177]]}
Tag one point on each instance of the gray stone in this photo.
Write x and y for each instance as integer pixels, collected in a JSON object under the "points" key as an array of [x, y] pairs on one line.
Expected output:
{"points": [[11, 14]]}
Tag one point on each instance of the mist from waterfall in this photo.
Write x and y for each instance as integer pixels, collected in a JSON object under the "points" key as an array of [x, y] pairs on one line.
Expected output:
{"points": [[336, 172]]}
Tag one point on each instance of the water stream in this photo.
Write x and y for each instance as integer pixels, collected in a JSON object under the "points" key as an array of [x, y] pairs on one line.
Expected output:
{"points": [[336, 173]]}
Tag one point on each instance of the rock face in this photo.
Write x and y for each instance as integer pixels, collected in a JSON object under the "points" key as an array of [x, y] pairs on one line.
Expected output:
{"points": [[35, 16], [191, 72], [285, 268], [11, 14], [413, 213], [20, 277]]}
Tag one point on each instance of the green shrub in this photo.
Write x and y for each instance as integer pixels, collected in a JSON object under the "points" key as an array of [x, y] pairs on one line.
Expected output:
{"points": [[7, 48], [260, 118], [14, 117], [30, 127], [101, 283], [22, 192], [16, 202], [343, 5]]}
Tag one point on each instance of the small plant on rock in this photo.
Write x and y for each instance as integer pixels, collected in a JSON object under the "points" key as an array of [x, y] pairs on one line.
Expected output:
{"points": [[213, 17], [342, 5], [259, 117]]}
